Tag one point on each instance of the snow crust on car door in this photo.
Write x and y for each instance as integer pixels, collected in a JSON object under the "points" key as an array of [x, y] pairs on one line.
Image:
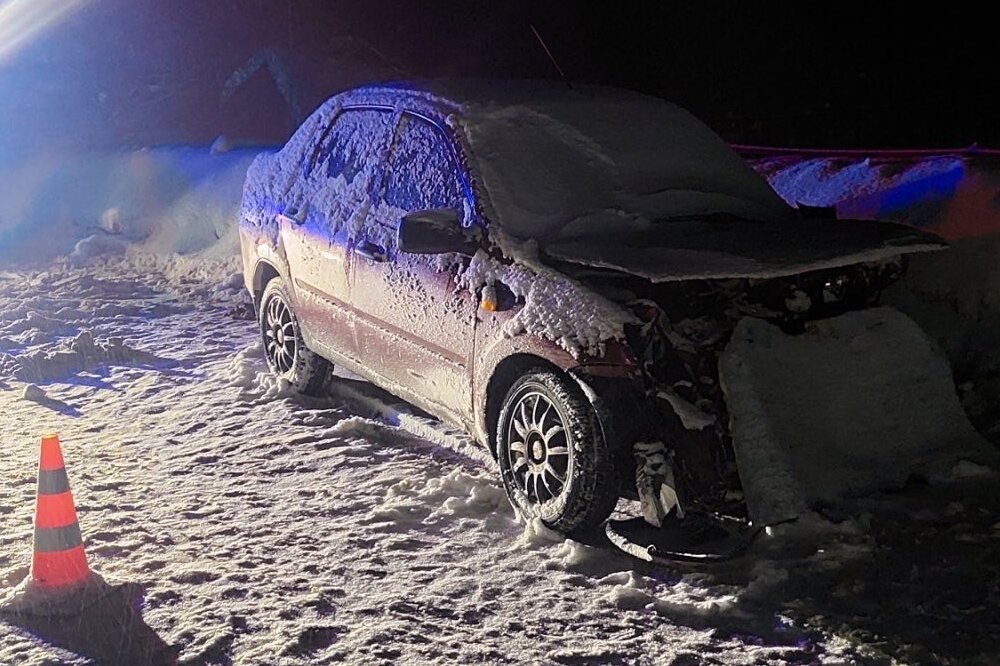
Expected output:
{"points": [[415, 328], [332, 203]]}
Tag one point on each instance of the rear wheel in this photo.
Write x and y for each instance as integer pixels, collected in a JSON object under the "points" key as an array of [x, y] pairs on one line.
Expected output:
{"points": [[553, 457], [286, 353]]}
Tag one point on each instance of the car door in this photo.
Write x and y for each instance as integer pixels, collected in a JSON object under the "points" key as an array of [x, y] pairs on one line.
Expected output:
{"points": [[415, 328], [319, 220]]}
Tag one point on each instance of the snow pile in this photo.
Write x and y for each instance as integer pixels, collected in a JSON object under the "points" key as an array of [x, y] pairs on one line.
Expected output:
{"points": [[855, 404], [453, 496], [630, 591], [81, 354], [954, 196], [161, 201], [953, 295], [870, 188]]}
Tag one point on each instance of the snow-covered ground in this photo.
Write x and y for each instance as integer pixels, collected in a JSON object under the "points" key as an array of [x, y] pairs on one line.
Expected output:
{"points": [[268, 528]]}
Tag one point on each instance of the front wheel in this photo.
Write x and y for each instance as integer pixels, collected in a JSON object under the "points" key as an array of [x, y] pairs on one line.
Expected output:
{"points": [[286, 352], [555, 462]]}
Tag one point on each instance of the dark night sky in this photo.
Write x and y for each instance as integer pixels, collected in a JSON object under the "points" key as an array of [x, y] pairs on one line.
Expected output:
{"points": [[128, 73]]}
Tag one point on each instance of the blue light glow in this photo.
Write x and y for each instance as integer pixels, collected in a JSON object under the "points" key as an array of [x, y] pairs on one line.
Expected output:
{"points": [[933, 188]]}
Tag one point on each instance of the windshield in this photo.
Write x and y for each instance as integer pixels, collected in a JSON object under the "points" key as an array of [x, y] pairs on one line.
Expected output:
{"points": [[582, 164]]}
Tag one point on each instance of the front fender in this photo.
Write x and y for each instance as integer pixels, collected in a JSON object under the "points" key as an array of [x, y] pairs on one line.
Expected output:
{"points": [[623, 413]]}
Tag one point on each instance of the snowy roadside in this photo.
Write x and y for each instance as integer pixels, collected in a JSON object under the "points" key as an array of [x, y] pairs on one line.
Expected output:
{"points": [[273, 529], [268, 528]]}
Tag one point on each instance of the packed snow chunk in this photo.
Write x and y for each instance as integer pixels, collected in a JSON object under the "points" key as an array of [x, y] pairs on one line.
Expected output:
{"points": [[457, 494], [537, 534], [855, 404], [626, 592], [95, 246], [82, 354], [33, 393]]}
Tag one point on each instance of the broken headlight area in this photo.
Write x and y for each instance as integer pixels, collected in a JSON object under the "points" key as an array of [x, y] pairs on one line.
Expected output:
{"points": [[680, 444], [794, 300], [686, 412]]}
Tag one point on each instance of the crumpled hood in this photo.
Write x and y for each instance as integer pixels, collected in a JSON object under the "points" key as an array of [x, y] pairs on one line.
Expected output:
{"points": [[726, 247]]}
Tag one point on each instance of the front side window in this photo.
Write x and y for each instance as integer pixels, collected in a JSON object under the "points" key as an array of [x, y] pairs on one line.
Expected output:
{"points": [[353, 144], [422, 172]]}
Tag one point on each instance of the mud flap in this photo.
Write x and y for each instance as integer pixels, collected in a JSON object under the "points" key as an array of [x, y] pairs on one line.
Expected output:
{"points": [[855, 404]]}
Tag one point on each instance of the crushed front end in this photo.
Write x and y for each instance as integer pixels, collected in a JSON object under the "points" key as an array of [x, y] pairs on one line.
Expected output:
{"points": [[670, 416]]}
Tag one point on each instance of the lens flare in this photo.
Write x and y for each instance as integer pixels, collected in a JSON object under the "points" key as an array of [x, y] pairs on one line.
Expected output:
{"points": [[23, 20]]}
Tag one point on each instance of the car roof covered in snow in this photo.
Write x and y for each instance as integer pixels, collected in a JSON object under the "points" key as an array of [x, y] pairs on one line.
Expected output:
{"points": [[459, 92], [549, 160]]}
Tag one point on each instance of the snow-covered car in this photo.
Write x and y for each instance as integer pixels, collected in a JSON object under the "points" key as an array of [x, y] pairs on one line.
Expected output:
{"points": [[554, 270]]}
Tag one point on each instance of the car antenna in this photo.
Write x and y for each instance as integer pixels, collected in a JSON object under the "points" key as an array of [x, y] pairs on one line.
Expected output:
{"points": [[552, 58]]}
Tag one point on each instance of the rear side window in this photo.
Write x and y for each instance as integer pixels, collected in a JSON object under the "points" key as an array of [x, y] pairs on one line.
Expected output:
{"points": [[352, 144], [422, 172]]}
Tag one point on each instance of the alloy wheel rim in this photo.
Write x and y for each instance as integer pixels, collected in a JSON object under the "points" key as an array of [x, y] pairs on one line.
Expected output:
{"points": [[538, 450], [280, 336]]}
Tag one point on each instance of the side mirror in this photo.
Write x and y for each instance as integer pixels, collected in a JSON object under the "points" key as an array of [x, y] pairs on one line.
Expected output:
{"points": [[436, 231]]}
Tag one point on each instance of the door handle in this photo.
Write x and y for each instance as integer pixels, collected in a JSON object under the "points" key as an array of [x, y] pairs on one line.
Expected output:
{"points": [[371, 251]]}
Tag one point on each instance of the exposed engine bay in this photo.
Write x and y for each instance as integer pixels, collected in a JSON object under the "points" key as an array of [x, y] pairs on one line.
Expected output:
{"points": [[685, 327]]}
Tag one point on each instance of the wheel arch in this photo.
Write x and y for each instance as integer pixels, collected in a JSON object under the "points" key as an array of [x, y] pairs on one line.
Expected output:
{"points": [[506, 372], [264, 272]]}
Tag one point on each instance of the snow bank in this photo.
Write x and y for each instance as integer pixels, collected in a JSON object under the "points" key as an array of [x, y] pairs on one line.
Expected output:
{"points": [[952, 195], [160, 201], [953, 295], [855, 404]]}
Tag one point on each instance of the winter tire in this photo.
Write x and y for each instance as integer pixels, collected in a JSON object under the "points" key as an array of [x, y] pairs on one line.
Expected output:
{"points": [[553, 458], [286, 352]]}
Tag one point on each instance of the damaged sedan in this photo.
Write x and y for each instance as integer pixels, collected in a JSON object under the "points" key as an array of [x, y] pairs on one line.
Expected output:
{"points": [[557, 271]]}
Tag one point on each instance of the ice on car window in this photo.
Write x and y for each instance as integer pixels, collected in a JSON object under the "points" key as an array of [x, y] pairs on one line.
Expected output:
{"points": [[422, 172], [351, 143]]}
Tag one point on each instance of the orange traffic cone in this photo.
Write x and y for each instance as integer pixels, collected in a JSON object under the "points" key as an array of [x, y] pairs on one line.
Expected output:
{"points": [[59, 559], [61, 583]]}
